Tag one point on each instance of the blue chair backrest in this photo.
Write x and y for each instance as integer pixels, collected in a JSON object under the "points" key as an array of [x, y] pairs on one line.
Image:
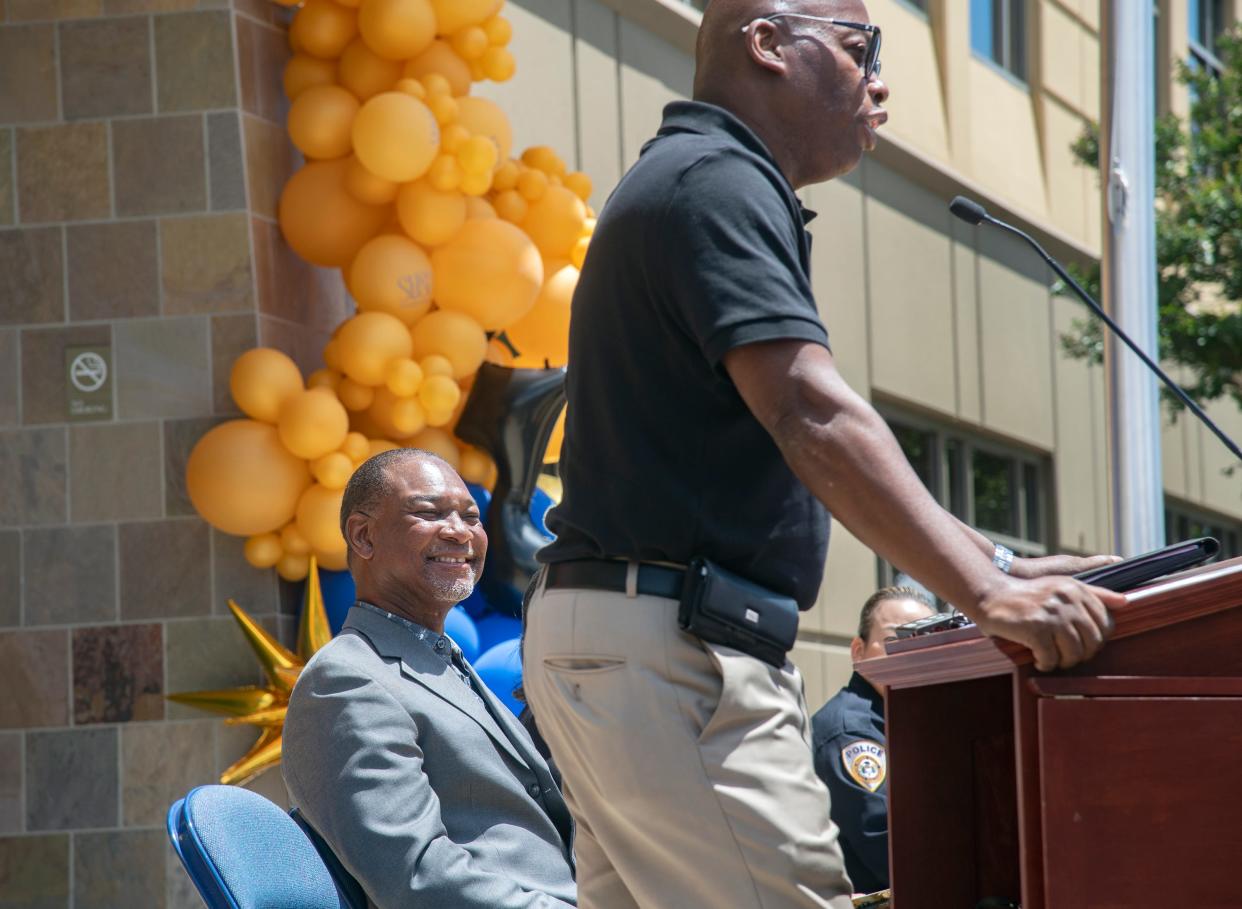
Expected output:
{"points": [[242, 852], [350, 888]]}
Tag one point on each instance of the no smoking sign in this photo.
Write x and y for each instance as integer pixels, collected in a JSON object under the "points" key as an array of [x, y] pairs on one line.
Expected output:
{"points": [[88, 383]]}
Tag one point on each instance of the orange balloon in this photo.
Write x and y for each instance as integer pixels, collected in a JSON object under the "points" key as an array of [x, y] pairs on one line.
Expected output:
{"points": [[242, 480], [292, 567], [260, 381], [304, 71], [392, 274], [429, 216], [364, 72], [263, 550], [396, 136], [552, 453], [555, 221], [490, 271], [453, 335], [321, 120], [452, 15], [543, 333], [312, 423], [438, 442], [398, 417], [440, 58], [397, 29], [323, 28], [319, 516], [485, 118], [366, 187], [333, 561], [323, 223], [368, 342], [477, 207]]}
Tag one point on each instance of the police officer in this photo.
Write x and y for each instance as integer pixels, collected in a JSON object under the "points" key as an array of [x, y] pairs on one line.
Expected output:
{"points": [[848, 739]]}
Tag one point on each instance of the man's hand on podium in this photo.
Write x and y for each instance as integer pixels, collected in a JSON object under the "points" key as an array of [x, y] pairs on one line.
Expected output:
{"points": [[1059, 565], [1062, 621]]}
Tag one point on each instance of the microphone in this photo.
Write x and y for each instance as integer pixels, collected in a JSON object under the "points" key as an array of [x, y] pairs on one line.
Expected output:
{"points": [[973, 213]]}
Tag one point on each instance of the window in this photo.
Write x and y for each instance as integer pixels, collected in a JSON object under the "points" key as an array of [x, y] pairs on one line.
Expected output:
{"points": [[999, 490], [1207, 22], [1184, 523], [998, 33]]}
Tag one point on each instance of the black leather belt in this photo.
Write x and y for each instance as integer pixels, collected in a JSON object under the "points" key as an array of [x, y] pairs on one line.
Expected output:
{"points": [[607, 574]]}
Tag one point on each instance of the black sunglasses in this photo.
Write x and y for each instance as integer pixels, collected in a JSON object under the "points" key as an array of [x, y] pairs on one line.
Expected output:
{"points": [[871, 58]]}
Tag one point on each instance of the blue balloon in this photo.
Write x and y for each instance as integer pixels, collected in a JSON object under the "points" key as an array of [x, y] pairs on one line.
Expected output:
{"points": [[460, 627], [338, 596], [495, 628], [500, 668], [540, 504], [476, 605], [482, 498]]}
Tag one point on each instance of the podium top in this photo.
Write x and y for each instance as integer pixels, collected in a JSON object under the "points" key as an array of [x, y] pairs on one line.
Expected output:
{"points": [[966, 653]]}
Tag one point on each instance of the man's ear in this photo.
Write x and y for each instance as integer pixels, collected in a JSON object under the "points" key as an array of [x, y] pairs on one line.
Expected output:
{"points": [[856, 649], [358, 535], [763, 45]]}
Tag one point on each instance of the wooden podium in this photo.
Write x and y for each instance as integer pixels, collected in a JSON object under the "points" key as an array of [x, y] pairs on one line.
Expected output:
{"points": [[1114, 785]]}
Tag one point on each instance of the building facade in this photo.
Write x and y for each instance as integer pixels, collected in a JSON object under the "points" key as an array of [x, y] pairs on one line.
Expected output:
{"points": [[142, 151]]}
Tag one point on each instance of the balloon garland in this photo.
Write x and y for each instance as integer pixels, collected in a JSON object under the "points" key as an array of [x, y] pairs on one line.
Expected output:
{"points": [[455, 252]]}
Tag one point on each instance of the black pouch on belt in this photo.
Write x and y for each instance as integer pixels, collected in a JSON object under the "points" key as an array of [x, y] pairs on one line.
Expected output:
{"points": [[723, 608]]}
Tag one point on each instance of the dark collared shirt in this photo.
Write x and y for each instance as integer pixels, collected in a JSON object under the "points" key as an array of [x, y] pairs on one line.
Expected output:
{"points": [[701, 249], [847, 735]]}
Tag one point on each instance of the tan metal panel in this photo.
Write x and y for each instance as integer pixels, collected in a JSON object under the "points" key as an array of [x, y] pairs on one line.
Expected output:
{"points": [[1079, 443], [1070, 185], [966, 319], [598, 103], [539, 99], [916, 106], [910, 291], [848, 580], [653, 73], [1005, 152], [1061, 63], [1221, 491], [1016, 332]]}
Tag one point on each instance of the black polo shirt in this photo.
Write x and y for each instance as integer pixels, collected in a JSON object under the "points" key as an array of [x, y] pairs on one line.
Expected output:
{"points": [[702, 248]]}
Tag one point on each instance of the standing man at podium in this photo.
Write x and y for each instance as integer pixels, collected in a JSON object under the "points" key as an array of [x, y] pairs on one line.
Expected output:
{"points": [[707, 421], [848, 742]]}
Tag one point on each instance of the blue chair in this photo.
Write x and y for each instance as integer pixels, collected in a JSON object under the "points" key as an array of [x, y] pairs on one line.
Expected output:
{"points": [[242, 852]]}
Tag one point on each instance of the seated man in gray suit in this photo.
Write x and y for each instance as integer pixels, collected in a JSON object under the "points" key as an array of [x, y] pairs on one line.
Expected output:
{"points": [[421, 781]]}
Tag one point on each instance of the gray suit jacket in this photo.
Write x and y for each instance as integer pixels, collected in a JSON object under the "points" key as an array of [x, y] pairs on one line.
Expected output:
{"points": [[424, 797]]}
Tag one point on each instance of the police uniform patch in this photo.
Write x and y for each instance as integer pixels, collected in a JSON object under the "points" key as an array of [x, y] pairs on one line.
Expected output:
{"points": [[866, 763]]}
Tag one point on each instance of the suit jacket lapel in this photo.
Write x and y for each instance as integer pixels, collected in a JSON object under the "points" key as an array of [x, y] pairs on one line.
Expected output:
{"points": [[420, 665]]}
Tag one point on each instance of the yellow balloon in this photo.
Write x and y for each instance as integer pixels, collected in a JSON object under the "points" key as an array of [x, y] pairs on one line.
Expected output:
{"points": [[323, 223], [485, 118], [333, 470], [478, 155], [470, 43], [452, 15], [498, 30], [323, 378], [397, 416], [445, 173], [323, 28], [403, 377], [242, 480], [453, 335], [355, 447], [320, 121], [506, 175], [475, 465], [491, 271], [439, 394], [511, 206], [292, 541], [397, 29], [293, 567], [498, 64], [552, 453], [429, 216], [396, 136], [304, 71], [478, 208], [382, 445], [318, 517], [438, 442], [532, 184], [312, 423], [440, 58], [368, 343], [261, 379], [364, 72], [263, 550], [392, 275], [543, 333], [333, 561], [579, 184], [355, 396], [366, 187], [555, 221]]}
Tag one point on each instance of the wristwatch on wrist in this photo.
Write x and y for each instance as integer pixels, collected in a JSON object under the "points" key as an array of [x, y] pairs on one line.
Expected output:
{"points": [[1002, 558]]}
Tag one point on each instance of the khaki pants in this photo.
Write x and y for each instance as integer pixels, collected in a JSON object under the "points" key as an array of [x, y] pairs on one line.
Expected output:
{"points": [[687, 765]]}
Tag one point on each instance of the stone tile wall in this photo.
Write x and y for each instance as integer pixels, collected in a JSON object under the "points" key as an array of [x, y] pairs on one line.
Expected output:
{"points": [[142, 151]]}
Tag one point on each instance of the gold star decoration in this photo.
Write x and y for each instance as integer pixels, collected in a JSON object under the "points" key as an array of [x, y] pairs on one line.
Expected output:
{"points": [[265, 706]]}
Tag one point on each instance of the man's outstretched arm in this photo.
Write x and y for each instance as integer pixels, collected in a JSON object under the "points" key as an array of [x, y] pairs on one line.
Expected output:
{"points": [[845, 453]]}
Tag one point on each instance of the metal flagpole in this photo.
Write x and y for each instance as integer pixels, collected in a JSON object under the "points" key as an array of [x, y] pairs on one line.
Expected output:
{"points": [[1127, 159]]}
